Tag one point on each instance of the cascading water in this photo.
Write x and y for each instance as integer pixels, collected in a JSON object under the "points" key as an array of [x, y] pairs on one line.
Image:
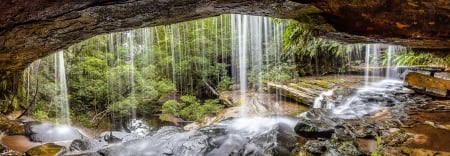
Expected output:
{"points": [[251, 55], [255, 43], [62, 98], [367, 62], [373, 95]]}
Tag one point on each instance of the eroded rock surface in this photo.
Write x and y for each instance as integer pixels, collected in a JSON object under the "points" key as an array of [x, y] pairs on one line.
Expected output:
{"points": [[30, 30]]}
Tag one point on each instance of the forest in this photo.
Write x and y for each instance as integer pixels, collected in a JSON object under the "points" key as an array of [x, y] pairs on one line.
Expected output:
{"points": [[178, 70]]}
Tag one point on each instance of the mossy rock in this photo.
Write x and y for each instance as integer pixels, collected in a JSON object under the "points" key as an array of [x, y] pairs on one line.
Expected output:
{"points": [[12, 127], [49, 149], [310, 130]]}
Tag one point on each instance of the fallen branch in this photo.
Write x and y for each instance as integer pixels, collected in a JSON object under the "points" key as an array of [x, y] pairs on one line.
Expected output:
{"points": [[225, 100]]}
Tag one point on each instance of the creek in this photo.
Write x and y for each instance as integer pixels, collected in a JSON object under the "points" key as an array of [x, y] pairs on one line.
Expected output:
{"points": [[260, 119]]}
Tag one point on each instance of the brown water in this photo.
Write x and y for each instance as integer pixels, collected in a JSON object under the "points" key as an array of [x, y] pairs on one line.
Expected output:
{"points": [[427, 136], [19, 143]]}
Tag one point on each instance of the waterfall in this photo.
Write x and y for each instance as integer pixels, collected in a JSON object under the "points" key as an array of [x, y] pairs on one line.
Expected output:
{"points": [[254, 46], [388, 61], [391, 71], [61, 88], [367, 62], [131, 53]]}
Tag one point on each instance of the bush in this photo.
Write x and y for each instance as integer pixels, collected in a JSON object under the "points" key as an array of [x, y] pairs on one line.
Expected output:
{"points": [[189, 108], [41, 115]]}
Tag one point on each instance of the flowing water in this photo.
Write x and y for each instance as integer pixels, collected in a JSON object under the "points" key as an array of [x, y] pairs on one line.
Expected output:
{"points": [[252, 53], [62, 96], [255, 45], [378, 88], [240, 136]]}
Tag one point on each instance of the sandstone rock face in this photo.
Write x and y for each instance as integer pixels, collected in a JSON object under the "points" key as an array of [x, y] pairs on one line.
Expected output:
{"points": [[428, 84], [33, 29]]}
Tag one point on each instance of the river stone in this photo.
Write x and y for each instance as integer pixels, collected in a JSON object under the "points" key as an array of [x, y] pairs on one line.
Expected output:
{"points": [[317, 146], [310, 130], [315, 124], [49, 132], [49, 149], [85, 144], [117, 137], [11, 127]]}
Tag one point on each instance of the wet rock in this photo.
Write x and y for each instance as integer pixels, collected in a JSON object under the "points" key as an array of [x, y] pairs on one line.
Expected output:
{"points": [[49, 132], [284, 141], [227, 137], [315, 124], [11, 127], [3, 148], [160, 143], [317, 146], [116, 137], [314, 130], [85, 144], [346, 148], [49, 149]]}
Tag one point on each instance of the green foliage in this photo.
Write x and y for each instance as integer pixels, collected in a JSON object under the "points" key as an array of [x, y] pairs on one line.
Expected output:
{"points": [[225, 83], [421, 58], [41, 115], [190, 108], [85, 121], [379, 149], [313, 55], [170, 107]]}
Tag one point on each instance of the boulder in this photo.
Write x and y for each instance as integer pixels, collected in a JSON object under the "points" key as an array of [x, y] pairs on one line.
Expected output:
{"points": [[315, 123], [317, 146], [49, 132], [313, 130], [85, 144], [49, 149], [428, 84], [117, 137]]}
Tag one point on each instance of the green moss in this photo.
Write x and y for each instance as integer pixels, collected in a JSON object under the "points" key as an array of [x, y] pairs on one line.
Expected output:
{"points": [[49, 149], [323, 83], [304, 128]]}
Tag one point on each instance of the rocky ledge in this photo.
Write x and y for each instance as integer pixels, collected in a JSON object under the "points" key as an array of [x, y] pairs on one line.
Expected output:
{"points": [[33, 29]]}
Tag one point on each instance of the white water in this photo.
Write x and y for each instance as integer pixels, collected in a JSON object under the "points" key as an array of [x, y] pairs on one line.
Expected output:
{"points": [[318, 102], [254, 46], [61, 88], [131, 53], [354, 106], [252, 126], [361, 103], [367, 62]]}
